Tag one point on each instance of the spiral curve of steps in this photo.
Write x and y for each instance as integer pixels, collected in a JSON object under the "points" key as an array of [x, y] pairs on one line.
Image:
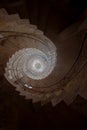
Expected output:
{"points": [[38, 68]]}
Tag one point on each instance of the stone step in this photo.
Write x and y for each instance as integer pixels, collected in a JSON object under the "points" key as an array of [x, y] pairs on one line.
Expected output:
{"points": [[37, 97], [12, 18], [68, 32], [23, 93], [70, 93], [13, 26], [3, 13], [38, 32], [58, 97], [23, 21]]}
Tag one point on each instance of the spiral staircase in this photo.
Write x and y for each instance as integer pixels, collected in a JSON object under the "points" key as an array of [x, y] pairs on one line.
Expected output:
{"points": [[38, 68]]}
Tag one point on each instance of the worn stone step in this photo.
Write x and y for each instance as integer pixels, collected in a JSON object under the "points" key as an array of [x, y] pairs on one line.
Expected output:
{"points": [[57, 98], [3, 13], [68, 32]]}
